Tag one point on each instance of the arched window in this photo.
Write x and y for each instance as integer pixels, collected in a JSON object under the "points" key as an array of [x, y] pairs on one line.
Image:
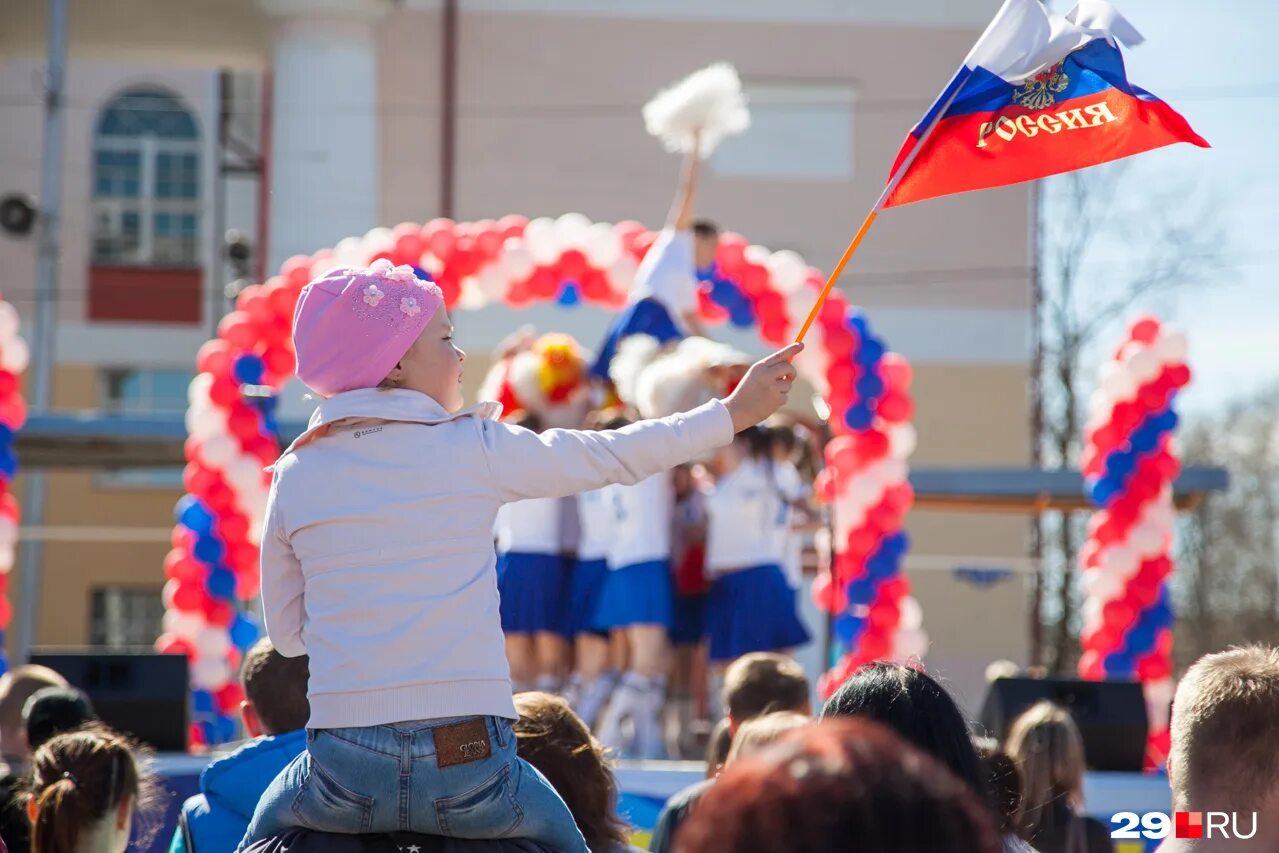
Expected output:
{"points": [[146, 181]]}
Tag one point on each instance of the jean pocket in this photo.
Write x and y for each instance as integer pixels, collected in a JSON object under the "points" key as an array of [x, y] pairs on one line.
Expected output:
{"points": [[489, 810], [325, 804]]}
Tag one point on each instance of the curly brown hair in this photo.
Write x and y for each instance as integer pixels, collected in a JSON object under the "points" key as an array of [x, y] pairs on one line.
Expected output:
{"points": [[553, 739]]}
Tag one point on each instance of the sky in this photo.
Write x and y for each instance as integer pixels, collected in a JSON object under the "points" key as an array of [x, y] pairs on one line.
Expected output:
{"points": [[1215, 62]]}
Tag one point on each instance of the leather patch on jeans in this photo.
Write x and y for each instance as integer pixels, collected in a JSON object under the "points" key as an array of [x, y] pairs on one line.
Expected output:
{"points": [[461, 743]]}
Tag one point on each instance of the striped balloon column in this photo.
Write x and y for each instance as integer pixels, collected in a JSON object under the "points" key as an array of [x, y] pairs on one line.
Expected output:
{"points": [[14, 357]]}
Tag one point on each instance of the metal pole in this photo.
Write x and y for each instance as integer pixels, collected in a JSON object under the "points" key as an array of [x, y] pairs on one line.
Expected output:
{"points": [[46, 307], [448, 106], [1036, 417]]}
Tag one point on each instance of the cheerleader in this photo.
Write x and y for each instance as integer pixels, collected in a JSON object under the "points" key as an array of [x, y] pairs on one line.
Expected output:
{"points": [[751, 608], [688, 700], [593, 680], [637, 599], [532, 583]]}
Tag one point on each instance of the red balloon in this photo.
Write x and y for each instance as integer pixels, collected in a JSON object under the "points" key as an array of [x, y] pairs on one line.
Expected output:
{"points": [[572, 265], [185, 595], [1154, 667], [773, 332], [1163, 643], [228, 698], [1144, 329], [754, 279], [279, 360], [1117, 615], [438, 235], [824, 485], [181, 538], [283, 299], [731, 252], [874, 645], [884, 616], [1179, 375], [894, 589], [409, 244], [519, 294], [488, 243], [896, 407], [247, 585], [9, 507], [872, 445], [296, 271], [168, 644], [219, 613], [244, 558], [238, 330], [710, 311], [834, 310], [8, 383], [180, 567], [829, 597], [243, 423], [842, 452], [13, 412], [862, 541], [513, 225], [1142, 595], [840, 376], [1091, 667], [233, 527], [896, 372], [542, 284]]}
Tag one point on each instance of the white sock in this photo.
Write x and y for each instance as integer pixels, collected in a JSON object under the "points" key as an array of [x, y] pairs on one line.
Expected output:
{"points": [[650, 740], [594, 696], [625, 704], [547, 683], [572, 693]]}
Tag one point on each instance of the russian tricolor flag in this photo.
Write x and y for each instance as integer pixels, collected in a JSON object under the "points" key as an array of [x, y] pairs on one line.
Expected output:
{"points": [[1038, 95]]}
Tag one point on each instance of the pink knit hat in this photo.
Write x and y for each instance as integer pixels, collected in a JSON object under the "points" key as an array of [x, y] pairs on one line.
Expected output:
{"points": [[352, 326]]}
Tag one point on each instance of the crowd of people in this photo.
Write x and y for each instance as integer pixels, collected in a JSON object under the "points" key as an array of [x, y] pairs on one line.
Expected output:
{"points": [[888, 765]]}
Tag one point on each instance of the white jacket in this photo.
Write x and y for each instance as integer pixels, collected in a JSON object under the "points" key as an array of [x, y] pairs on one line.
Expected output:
{"points": [[377, 549]]}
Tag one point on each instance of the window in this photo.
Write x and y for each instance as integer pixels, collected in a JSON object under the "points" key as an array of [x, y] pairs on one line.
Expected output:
{"points": [[144, 392], [798, 132], [146, 182], [122, 616]]}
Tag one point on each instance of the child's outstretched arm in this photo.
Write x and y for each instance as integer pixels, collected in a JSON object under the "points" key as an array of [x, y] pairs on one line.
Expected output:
{"points": [[282, 586], [523, 464]]}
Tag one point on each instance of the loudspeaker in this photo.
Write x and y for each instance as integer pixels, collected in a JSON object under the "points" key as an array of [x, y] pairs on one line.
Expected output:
{"points": [[1111, 715], [143, 694]]}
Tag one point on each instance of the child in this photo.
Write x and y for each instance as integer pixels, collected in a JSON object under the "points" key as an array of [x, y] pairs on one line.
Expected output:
{"points": [[378, 562], [688, 631], [531, 583]]}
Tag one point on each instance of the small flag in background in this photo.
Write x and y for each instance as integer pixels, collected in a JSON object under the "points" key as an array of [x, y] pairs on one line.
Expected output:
{"points": [[1038, 95]]}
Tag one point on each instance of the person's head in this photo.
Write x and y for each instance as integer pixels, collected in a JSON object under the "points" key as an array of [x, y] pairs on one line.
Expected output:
{"points": [[917, 708], [553, 739], [751, 443], [1003, 779], [16, 687], [54, 710], [682, 481], [274, 691], [85, 788], [756, 734], [705, 242], [528, 420], [839, 785], [1049, 751], [1225, 733], [782, 442], [718, 747], [762, 682], [380, 327]]}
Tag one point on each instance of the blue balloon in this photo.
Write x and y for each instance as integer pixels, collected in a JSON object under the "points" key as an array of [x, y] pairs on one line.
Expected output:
{"points": [[6, 435], [848, 628], [202, 701], [422, 274], [220, 583], [870, 386], [244, 632], [897, 544], [869, 353], [861, 591], [194, 515], [248, 369], [881, 566], [208, 550], [1119, 665], [1144, 439], [8, 463], [570, 295], [858, 417], [1140, 640], [1120, 464], [1103, 491], [857, 322], [1168, 420]]}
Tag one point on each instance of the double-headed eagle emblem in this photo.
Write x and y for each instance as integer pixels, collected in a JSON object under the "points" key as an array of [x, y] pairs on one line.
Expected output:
{"points": [[1041, 91]]}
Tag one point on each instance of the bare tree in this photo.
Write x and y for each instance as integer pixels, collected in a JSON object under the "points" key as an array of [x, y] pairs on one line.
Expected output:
{"points": [[1111, 240]]}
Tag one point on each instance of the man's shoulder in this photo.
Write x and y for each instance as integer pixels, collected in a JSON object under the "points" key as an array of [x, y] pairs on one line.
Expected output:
{"points": [[682, 800]]}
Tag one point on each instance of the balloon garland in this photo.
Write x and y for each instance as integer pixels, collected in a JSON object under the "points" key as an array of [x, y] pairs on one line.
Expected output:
{"points": [[511, 261], [14, 357], [865, 482], [1129, 467]]}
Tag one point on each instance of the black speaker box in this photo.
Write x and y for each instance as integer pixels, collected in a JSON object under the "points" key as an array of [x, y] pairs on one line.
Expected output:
{"points": [[1111, 715], [143, 694]]}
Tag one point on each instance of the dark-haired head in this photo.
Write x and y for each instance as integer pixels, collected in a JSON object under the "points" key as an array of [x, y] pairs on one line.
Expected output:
{"points": [[705, 242], [275, 690], [917, 708], [835, 786], [55, 710]]}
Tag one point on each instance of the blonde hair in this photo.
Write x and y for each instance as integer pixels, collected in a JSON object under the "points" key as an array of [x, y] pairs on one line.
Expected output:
{"points": [[760, 732], [1049, 751], [1225, 726]]}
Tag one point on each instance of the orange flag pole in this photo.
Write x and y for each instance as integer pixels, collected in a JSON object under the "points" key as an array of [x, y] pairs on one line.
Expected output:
{"points": [[893, 181]]}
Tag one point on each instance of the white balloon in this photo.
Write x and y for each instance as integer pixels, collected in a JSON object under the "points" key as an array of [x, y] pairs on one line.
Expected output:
{"points": [[378, 240], [787, 270], [210, 673], [603, 246], [9, 322], [1090, 612], [757, 255], [211, 642], [198, 390], [181, 623], [472, 297], [1117, 382], [203, 423], [6, 560], [219, 450], [1099, 405], [8, 532], [493, 282], [1144, 365], [902, 439], [910, 644], [350, 252], [570, 230], [622, 273], [912, 615], [1148, 540], [15, 356], [516, 260], [542, 241], [1172, 348], [1120, 562], [1101, 585], [245, 475], [893, 471]]}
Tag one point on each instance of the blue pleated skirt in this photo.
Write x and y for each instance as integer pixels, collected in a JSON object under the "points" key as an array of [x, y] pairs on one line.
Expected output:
{"points": [[752, 610], [636, 595], [585, 588], [533, 588]]}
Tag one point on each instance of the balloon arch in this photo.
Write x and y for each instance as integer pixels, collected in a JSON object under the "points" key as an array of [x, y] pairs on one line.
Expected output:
{"points": [[213, 564]]}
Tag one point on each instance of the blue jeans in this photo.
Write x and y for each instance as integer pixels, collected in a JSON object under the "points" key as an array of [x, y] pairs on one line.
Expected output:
{"points": [[458, 777]]}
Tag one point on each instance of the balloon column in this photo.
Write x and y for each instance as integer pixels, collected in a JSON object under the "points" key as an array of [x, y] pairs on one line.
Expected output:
{"points": [[1129, 467], [511, 261], [14, 357], [865, 483]]}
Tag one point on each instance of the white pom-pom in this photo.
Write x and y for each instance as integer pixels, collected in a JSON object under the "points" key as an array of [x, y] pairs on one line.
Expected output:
{"points": [[634, 355], [709, 100]]}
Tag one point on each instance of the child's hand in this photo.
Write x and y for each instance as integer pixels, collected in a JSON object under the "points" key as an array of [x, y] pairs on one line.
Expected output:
{"points": [[764, 388]]}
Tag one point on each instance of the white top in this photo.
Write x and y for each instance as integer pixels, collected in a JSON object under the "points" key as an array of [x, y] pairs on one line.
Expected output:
{"points": [[668, 273], [597, 517], [790, 545], [529, 527], [377, 546], [742, 511], [643, 519]]}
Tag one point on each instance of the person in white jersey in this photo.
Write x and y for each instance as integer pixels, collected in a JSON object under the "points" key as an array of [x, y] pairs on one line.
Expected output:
{"points": [[663, 300], [638, 599], [751, 608], [794, 492]]}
